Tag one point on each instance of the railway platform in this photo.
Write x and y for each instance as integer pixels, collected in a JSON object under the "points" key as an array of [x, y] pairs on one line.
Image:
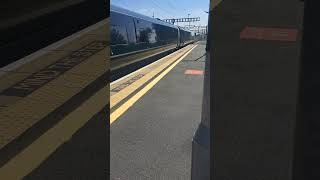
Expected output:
{"points": [[53, 102], [154, 113]]}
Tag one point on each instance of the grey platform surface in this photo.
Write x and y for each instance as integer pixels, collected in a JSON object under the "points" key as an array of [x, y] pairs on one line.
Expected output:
{"points": [[153, 139]]}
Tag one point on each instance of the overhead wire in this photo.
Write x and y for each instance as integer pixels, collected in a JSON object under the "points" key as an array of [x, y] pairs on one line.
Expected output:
{"points": [[164, 10]]}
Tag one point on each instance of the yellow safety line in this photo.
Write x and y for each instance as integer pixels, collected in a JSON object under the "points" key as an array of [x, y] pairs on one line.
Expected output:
{"points": [[116, 98], [33, 155], [125, 106]]}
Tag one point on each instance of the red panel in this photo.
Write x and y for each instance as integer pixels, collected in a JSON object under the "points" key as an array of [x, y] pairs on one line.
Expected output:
{"points": [[273, 34], [193, 72]]}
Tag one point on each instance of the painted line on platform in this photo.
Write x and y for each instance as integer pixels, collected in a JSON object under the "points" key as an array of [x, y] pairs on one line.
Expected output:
{"points": [[167, 61], [136, 71], [32, 156], [124, 107], [31, 57]]}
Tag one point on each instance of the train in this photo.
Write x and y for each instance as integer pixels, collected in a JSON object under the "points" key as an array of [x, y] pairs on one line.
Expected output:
{"points": [[132, 32]]}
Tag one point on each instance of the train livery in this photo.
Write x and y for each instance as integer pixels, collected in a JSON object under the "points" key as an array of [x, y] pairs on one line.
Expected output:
{"points": [[132, 32]]}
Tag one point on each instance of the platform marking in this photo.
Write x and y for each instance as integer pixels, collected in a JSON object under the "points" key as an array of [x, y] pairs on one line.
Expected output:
{"points": [[163, 64], [29, 58], [124, 107], [32, 156], [271, 34], [143, 68], [127, 83], [52, 71], [128, 75], [193, 72]]}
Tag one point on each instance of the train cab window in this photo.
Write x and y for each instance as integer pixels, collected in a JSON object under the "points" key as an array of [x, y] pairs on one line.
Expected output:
{"points": [[118, 35]]}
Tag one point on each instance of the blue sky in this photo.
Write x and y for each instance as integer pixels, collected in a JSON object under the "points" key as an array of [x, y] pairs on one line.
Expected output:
{"points": [[165, 9]]}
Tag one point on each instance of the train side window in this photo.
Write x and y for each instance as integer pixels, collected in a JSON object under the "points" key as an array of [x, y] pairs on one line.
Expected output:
{"points": [[145, 32], [143, 35], [163, 33], [131, 31], [118, 35], [159, 31]]}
